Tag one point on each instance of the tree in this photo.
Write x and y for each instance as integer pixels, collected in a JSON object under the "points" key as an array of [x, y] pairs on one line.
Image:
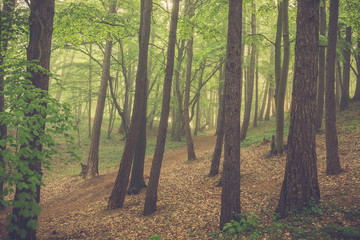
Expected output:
{"points": [[190, 43], [332, 157], [151, 193], [38, 51], [345, 98], [249, 89], [321, 79], [118, 193], [93, 158], [300, 183], [230, 195], [5, 33], [281, 83]]}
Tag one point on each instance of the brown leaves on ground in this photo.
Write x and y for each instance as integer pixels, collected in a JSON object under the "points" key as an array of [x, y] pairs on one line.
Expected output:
{"points": [[188, 200]]}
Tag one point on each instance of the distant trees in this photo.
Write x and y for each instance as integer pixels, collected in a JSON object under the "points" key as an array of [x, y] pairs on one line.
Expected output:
{"points": [[300, 183]]}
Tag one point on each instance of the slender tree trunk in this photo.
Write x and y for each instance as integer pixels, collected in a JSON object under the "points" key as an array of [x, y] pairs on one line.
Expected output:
{"points": [[279, 29], [90, 90], [338, 82], [321, 79], [300, 183], [357, 58], [151, 193], [197, 118], [250, 82], [332, 156], [281, 87], [5, 30], [215, 162], [263, 105], [39, 49], [221, 97], [92, 169], [179, 124], [230, 195], [256, 91], [190, 42], [345, 97], [271, 87], [118, 193]]}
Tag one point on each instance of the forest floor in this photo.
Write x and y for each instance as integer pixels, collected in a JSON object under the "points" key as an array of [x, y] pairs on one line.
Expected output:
{"points": [[189, 202]]}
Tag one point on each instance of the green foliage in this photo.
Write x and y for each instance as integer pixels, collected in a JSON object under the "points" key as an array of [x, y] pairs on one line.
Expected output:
{"points": [[155, 237], [244, 225], [29, 109]]}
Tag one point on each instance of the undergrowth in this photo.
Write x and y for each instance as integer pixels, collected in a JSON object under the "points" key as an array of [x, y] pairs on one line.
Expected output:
{"points": [[324, 221]]}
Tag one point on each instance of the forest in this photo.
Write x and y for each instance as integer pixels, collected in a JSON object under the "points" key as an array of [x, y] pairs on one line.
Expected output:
{"points": [[179, 119]]}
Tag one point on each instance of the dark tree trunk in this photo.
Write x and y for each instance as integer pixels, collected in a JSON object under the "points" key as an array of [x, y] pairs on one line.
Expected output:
{"points": [[190, 42], [300, 183], [230, 195], [249, 83], [281, 87], [118, 193], [271, 87], [5, 29], [137, 181], [345, 98], [321, 79], [151, 193], [332, 157], [197, 117], [41, 27]]}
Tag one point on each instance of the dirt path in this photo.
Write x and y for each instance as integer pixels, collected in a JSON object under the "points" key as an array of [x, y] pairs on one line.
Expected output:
{"points": [[188, 201]]}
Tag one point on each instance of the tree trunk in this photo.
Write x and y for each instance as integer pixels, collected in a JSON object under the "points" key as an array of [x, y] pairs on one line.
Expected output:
{"points": [[250, 82], [215, 161], [151, 193], [256, 91], [321, 79], [271, 87], [92, 169], [179, 122], [230, 195], [357, 58], [332, 157], [262, 110], [197, 118], [300, 183], [281, 87], [90, 91], [118, 193], [345, 98], [190, 42], [39, 49], [221, 98]]}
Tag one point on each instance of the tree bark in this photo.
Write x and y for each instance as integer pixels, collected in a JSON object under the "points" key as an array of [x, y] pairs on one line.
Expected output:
{"points": [[256, 91], [262, 110], [271, 87], [90, 91], [300, 183], [92, 168], [332, 157], [345, 97], [321, 79], [39, 49], [118, 193], [230, 195], [281, 87], [151, 193], [221, 97]]}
